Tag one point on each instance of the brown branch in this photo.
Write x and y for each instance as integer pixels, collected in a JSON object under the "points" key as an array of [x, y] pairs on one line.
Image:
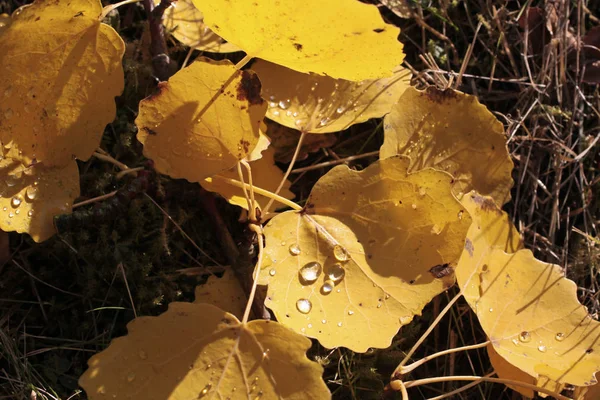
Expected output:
{"points": [[161, 62]]}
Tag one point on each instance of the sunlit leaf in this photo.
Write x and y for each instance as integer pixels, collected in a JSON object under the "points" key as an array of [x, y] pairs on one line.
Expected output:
{"points": [[192, 130], [343, 38], [320, 104], [451, 131], [284, 141], [60, 70], [196, 351], [265, 175], [31, 197], [225, 293], [385, 242], [184, 21], [528, 309]]}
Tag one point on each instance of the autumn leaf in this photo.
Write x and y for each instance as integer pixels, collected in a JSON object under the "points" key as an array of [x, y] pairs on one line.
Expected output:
{"points": [[284, 141], [31, 197], [367, 253], [225, 293], [4, 22], [191, 130], [317, 36], [320, 104], [199, 351], [184, 21], [60, 70], [453, 132], [265, 175], [506, 370], [528, 309]]}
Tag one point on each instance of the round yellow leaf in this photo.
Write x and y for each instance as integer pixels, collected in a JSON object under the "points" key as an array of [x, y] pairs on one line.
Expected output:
{"points": [[31, 197], [265, 175], [343, 39], [184, 21], [60, 70], [369, 251], [202, 121], [451, 131], [225, 292], [320, 104], [197, 351]]}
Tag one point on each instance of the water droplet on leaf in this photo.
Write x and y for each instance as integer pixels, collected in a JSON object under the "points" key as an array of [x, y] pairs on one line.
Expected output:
{"points": [[294, 249], [336, 272], [525, 337], [327, 287], [310, 272], [304, 306], [340, 253]]}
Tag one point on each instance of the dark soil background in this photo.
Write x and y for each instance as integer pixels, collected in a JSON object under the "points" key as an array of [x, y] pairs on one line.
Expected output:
{"points": [[529, 62]]}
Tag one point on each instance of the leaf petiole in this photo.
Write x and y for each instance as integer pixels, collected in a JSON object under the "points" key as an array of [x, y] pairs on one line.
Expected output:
{"points": [[260, 191]]}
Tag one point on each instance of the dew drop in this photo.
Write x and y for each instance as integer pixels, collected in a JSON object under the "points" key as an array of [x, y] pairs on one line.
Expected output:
{"points": [[559, 337], [205, 391], [17, 212], [276, 113], [350, 312], [339, 324], [327, 287], [15, 202], [323, 321], [542, 348], [491, 309], [304, 306], [295, 249], [340, 253], [4, 208], [515, 342], [310, 272], [102, 390], [414, 206], [285, 104], [324, 122], [272, 272], [31, 192], [340, 109], [10, 215], [272, 104], [336, 273], [422, 191], [387, 296], [378, 305], [460, 214], [131, 377], [525, 337], [298, 123], [11, 180], [30, 213], [309, 326]]}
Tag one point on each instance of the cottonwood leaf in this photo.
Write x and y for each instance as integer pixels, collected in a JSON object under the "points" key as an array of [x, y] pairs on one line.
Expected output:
{"points": [[184, 21], [317, 36], [30, 197], [225, 293], [265, 175], [528, 309], [320, 104], [385, 242], [284, 141], [199, 351], [192, 130], [60, 70], [451, 131]]}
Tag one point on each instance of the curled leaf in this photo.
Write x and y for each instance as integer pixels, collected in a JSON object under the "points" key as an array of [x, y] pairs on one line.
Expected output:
{"points": [[317, 36], [184, 21], [453, 132], [60, 70], [369, 251], [202, 121], [199, 351], [320, 104], [31, 197]]}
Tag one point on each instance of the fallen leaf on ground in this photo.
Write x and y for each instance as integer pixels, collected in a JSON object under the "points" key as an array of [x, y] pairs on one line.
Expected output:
{"points": [[31, 197], [369, 251], [317, 36], [203, 121], [453, 132], [199, 351], [184, 21], [60, 70], [320, 104]]}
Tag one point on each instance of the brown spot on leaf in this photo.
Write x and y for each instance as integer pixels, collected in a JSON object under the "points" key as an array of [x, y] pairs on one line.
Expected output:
{"points": [[441, 270], [486, 204], [469, 247], [298, 46], [378, 30], [439, 96], [249, 88]]}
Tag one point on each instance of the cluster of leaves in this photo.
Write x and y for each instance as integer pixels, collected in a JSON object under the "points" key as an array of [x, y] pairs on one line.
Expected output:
{"points": [[365, 254]]}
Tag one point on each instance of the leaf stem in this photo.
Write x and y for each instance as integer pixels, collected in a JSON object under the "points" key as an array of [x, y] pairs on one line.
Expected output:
{"points": [[406, 369], [244, 61], [261, 243], [262, 192]]}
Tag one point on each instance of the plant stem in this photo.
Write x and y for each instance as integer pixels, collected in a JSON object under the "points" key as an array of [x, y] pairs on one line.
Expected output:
{"points": [[158, 45], [262, 192], [406, 369]]}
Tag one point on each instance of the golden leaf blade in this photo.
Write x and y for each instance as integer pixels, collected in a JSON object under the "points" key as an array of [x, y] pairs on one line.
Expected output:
{"points": [[317, 36], [60, 70], [199, 351], [453, 132], [225, 293], [385, 241], [320, 104], [192, 130]]}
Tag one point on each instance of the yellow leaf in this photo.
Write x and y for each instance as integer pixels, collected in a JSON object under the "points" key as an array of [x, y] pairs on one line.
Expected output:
{"points": [[184, 21], [369, 251], [528, 309], [592, 393], [451, 131], [192, 130], [4, 22], [284, 141], [31, 197], [225, 293], [506, 370], [340, 38], [199, 351], [60, 70], [265, 175], [320, 104]]}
